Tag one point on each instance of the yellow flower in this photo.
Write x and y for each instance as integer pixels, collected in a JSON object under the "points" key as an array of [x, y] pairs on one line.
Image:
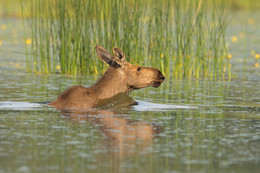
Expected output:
{"points": [[150, 57], [234, 39], [28, 41], [250, 21], [229, 56], [15, 42], [257, 56], [189, 56], [1, 42], [57, 67], [252, 52], [3, 27], [34, 62], [162, 55], [256, 65]]}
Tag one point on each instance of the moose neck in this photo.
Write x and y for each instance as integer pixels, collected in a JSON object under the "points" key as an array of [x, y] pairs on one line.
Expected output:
{"points": [[111, 83]]}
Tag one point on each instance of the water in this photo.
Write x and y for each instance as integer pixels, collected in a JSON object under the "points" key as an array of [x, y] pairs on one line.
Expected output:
{"points": [[184, 125], [194, 126]]}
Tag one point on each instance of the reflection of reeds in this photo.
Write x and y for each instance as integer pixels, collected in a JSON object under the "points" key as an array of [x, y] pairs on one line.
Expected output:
{"points": [[181, 37]]}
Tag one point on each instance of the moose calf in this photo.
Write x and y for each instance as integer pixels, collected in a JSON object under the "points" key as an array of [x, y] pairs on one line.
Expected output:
{"points": [[121, 77]]}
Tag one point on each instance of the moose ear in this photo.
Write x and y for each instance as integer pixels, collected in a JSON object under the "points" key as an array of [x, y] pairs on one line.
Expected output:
{"points": [[119, 56], [104, 55]]}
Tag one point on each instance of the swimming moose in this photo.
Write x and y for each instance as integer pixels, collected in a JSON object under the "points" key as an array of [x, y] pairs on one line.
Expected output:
{"points": [[121, 77]]}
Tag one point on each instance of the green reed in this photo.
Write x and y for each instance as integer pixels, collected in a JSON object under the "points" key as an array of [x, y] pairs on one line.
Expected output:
{"points": [[180, 37]]}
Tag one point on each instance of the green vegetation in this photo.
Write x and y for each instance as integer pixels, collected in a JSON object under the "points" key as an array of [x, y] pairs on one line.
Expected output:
{"points": [[11, 8], [181, 37]]}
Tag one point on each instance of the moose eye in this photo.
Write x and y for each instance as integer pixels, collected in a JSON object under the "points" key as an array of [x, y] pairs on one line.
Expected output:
{"points": [[139, 68]]}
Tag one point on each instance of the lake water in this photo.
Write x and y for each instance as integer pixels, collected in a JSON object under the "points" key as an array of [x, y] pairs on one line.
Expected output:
{"points": [[186, 125]]}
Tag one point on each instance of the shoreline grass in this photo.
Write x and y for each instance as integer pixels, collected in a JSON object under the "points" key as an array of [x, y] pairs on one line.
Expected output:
{"points": [[183, 38]]}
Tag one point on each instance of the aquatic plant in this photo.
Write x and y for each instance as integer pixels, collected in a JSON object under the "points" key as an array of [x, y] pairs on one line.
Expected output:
{"points": [[180, 37]]}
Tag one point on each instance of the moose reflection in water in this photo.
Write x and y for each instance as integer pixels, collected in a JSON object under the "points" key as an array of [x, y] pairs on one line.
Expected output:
{"points": [[122, 133], [121, 77]]}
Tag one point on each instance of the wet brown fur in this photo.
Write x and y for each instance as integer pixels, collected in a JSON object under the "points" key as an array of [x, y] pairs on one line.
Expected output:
{"points": [[121, 77]]}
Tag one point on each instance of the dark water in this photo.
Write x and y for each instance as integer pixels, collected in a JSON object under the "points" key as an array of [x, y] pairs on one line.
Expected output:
{"points": [[204, 125]]}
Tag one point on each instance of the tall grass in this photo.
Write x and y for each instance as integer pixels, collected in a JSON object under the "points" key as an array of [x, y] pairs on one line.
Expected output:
{"points": [[180, 37]]}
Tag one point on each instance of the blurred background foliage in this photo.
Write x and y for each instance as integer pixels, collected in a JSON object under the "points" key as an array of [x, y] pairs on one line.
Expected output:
{"points": [[188, 41], [12, 8]]}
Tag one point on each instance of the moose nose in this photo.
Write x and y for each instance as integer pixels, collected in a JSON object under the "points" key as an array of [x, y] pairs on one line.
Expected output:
{"points": [[162, 77]]}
